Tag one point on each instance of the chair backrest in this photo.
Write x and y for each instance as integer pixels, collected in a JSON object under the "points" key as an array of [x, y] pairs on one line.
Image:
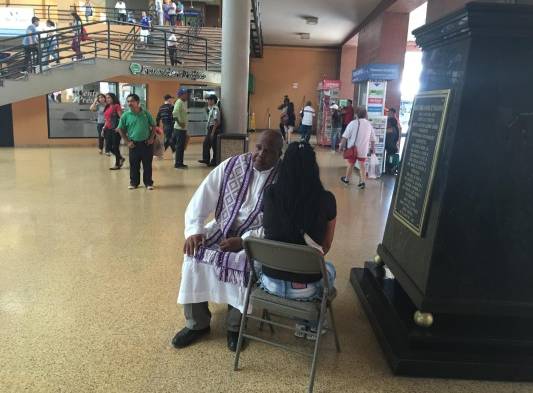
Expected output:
{"points": [[287, 257]]}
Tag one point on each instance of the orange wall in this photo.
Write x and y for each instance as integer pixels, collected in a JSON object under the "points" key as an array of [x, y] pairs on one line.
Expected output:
{"points": [[279, 68], [348, 64], [30, 123]]}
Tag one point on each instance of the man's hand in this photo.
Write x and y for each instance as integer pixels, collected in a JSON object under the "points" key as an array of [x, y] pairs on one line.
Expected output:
{"points": [[233, 244], [131, 145], [192, 243], [150, 141]]}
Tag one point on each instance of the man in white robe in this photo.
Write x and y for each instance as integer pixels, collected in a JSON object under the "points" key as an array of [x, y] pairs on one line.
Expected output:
{"points": [[214, 267]]}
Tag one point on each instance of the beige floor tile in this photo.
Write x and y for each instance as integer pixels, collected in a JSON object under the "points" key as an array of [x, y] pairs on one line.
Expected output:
{"points": [[90, 272]]}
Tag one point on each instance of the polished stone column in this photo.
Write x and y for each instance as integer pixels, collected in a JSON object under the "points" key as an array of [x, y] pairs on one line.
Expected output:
{"points": [[439, 8], [235, 65]]}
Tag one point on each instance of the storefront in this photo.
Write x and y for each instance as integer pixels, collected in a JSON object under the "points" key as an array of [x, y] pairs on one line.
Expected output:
{"points": [[69, 114]]}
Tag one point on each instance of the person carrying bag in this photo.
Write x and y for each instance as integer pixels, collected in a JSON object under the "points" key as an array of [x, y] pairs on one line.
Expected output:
{"points": [[365, 137]]}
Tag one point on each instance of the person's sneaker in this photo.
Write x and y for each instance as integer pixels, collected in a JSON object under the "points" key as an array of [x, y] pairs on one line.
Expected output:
{"points": [[301, 330], [99, 151], [361, 186], [182, 166], [312, 332], [108, 154], [150, 187], [186, 337], [132, 187], [344, 180]]}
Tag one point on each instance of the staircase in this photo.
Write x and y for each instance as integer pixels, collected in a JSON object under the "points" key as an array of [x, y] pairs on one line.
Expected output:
{"points": [[202, 51]]}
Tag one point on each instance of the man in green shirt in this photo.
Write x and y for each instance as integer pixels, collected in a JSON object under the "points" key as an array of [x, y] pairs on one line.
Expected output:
{"points": [[180, 126], [137, 128]]}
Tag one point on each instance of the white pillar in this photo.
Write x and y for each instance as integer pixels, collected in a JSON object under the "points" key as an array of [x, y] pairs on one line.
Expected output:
{"points": [[235, 64]]}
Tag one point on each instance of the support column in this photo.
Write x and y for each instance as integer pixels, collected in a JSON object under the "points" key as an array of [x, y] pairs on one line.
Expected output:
{"points": [[384, 41], [235, 65]]}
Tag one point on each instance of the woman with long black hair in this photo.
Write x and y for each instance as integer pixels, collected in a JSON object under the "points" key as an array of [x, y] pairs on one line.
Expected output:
{"points": [[77, 29], [297, 209], [112, 114]]}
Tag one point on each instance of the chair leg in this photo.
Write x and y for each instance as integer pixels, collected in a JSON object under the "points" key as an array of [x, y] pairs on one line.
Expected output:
{"points": [[267, 316], [323, 311], [263, 316], [334, 327], [243, 325]]}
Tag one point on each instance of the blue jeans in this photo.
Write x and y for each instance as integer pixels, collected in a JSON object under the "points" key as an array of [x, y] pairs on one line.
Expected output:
{"points": [[305, 131], [296, 291], [335, 138]]}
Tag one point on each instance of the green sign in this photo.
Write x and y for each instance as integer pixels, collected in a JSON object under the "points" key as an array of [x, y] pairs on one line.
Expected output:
{"points": [[135, 68]]}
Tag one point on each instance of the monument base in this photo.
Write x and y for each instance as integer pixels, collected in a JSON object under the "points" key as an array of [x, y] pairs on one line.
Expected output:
{"points": [[455, 346]]}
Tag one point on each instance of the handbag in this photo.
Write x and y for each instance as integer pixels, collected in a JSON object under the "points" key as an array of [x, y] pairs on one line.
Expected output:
{"points": [[351, 153]]}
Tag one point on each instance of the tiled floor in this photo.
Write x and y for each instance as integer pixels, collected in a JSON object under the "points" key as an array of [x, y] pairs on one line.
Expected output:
{"points": [[89, 273]]}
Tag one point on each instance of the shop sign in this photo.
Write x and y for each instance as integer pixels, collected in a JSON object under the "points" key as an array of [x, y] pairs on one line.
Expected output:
{"points": [[378, 72], [167, 72]]}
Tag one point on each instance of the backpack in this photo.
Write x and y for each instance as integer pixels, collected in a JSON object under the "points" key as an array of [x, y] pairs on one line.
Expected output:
{"points": [[84, 35]]}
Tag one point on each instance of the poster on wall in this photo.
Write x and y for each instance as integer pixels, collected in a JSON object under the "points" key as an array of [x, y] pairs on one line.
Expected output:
{"points": [[14, 20], [377, 91]]}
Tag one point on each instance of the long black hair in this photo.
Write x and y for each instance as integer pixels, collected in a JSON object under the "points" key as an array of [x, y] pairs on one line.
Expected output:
{"points": [[113, 98], [298, 190]]}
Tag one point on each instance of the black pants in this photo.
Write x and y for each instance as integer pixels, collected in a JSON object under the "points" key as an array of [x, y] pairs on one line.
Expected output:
{"points": [[141, 153], [210, 141], [113, 141], [169, 137], [173, 55], [172, 20], [122, 17], [30, 57], [99, 128], [181, 138], [282, 130]]}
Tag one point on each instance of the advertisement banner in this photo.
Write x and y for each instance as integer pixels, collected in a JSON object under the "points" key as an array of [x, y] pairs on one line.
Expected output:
{"points": [[15, 20], [376, 98]]}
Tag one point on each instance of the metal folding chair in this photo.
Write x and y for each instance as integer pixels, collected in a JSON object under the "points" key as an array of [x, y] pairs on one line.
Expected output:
{"points": [[291, 258]]}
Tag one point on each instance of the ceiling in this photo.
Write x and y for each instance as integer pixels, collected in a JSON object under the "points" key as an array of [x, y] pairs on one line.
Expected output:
{"points": [[281, 20]]}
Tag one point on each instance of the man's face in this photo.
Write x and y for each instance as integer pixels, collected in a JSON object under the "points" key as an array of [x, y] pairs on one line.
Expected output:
{"points": [[267, 151], [184, 96], [36, 23], [133, 105], [210, 102]]}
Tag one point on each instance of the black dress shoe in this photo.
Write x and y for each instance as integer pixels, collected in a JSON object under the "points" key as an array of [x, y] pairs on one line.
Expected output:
{"points": [[233, 339], [187, 336]]}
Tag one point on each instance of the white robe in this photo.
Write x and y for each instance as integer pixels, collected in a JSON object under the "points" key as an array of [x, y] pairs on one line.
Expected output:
{"points": [[199, 281]]}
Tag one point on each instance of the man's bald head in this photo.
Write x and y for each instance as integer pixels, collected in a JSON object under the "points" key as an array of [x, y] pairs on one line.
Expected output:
{"points": [[268, 149]]}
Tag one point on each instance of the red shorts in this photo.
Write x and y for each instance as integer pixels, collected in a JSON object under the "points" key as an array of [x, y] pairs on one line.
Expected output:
{"points": [[361, 160]]}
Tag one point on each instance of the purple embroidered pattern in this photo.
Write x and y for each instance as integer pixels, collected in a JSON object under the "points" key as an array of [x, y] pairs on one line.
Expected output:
{"points": [[232, 267]]}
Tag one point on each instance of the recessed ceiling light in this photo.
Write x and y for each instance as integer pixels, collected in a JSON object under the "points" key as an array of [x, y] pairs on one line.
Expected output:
{"points": [[304, 36], [311, 20]]}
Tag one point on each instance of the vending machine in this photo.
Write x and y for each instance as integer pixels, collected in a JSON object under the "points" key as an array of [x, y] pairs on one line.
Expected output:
{"points": [[328, 94]]}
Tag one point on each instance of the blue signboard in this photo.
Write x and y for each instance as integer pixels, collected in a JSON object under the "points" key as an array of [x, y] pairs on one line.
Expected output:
{"points": [[376, 72]]}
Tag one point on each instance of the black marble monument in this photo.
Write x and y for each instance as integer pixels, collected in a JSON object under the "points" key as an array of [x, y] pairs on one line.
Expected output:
{"points": [[459, 236]]}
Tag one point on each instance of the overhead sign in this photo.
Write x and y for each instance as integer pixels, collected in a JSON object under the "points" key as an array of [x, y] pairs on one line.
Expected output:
{"points": [[175, 73], [376, 72]]}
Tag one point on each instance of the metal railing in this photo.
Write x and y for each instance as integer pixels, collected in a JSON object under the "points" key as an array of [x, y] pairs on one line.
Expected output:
{"points": [[256, 30], [108, 40]]}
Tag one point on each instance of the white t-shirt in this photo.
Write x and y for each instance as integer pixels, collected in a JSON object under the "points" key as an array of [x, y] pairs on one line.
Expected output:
{"points": [[121, 7], [309, 113], [364, 136], [172, 40], [172, 8]]}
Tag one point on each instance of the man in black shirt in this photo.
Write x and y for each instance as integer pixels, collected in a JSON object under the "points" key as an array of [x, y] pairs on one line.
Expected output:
{"points": [[165, 116]]}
